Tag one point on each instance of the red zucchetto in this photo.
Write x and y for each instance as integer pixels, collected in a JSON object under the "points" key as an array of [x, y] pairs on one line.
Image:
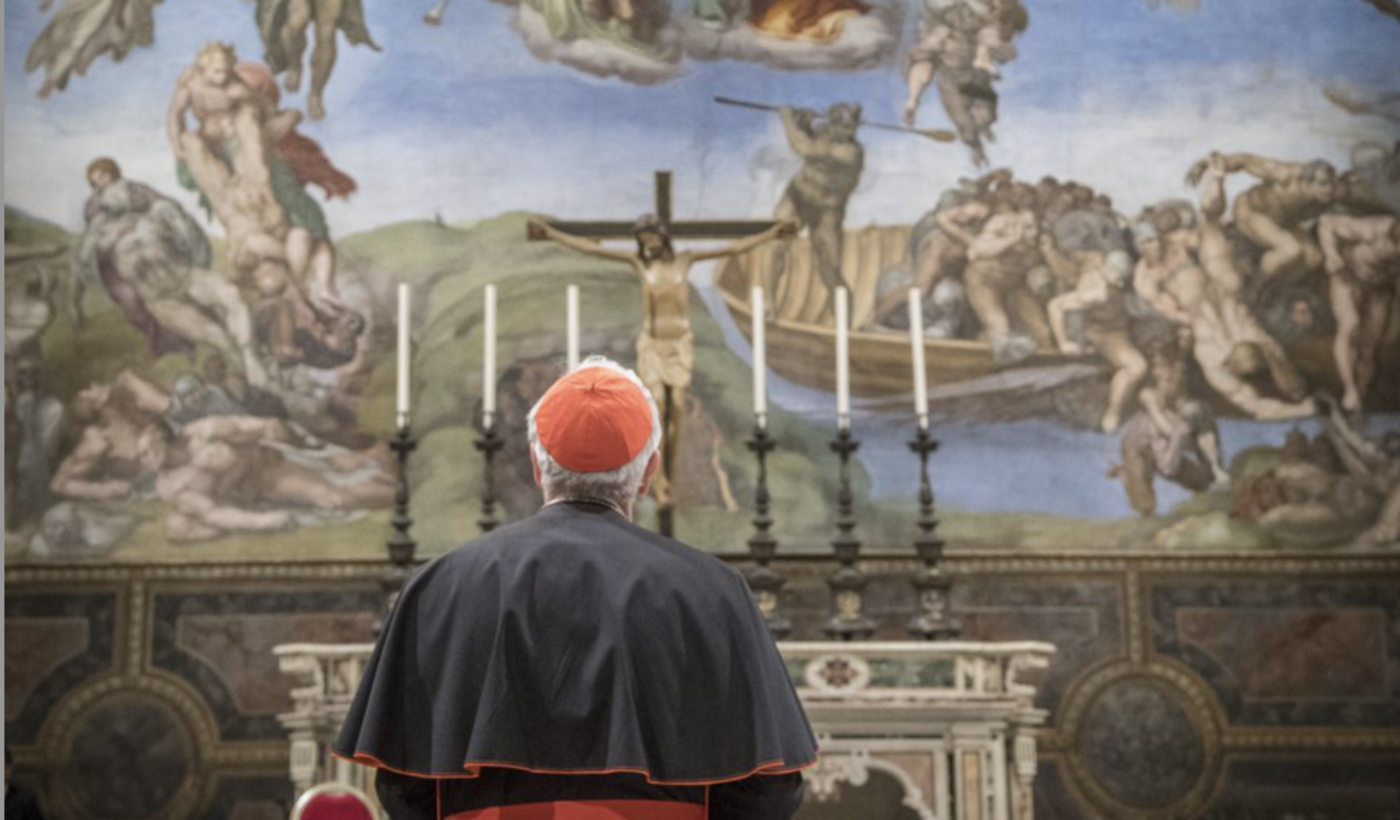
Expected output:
{"points": [[593, 420]]}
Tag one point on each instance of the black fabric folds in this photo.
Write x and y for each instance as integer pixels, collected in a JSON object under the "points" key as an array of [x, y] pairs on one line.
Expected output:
{"points": [[577, 642]]}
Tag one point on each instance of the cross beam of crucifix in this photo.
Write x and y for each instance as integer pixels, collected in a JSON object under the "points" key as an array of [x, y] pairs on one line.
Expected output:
{"points": [[687, 229]]}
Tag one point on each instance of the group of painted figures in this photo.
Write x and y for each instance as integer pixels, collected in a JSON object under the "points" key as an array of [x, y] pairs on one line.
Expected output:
{"points": [[226, 445], [959, 48], [1196, 308], [1231, 291]]}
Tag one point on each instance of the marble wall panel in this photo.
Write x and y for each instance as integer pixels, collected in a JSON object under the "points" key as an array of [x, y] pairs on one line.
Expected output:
{"points": [[1312, 653], [221, 644], [54, 641], [1342, 787]]}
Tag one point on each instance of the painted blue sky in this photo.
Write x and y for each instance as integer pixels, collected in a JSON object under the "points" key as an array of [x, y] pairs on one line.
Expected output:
{"points": [[462, 119]]}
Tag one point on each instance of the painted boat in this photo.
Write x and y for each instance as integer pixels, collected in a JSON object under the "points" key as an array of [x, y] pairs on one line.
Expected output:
{"points": [[801, 335]]}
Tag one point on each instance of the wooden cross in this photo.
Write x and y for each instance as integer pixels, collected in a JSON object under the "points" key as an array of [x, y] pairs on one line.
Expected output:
{"points": [[690, 229]]}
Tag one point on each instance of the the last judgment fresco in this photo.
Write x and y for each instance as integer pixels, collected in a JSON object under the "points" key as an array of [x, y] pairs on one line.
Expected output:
{"points": [[1157, 244]]}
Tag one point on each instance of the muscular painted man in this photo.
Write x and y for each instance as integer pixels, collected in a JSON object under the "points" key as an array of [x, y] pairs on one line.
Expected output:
{"points": [[247, 474], [938, 251], [123, 442], [278, 237], [998, 259], [228, 151], [1188, 275], [1277, 213], [665, 354], [283, 25], [1377, 463], [153, 260], [228, 158], [1174, 436], [1098, 298], [832, 161], [958, 51], [277, 233], [1362, 257]]}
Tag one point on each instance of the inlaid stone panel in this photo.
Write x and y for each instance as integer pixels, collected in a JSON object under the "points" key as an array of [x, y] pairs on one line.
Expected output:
{"points": [[54, 642], [221, 644], [1082, 618], [1331, 786], [1294, 654], [1314, 653], [34, 649], [238, 648]]}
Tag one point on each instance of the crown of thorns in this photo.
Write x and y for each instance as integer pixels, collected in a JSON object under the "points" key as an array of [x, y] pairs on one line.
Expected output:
{"points": [[650, 223], [844, 114]]}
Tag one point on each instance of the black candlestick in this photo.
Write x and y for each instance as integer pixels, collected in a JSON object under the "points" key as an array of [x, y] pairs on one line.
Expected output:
{"points": [[401, 545], [766, 583], [932, 620], [488, 444], [848, 622]]}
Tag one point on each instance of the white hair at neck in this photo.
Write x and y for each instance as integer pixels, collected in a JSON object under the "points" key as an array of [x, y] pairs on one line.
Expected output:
{"points": [[618, 486]]}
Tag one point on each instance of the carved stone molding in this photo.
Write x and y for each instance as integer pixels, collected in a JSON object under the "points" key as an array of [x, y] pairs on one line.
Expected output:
{"points": [[797, 565], [853, 768]]}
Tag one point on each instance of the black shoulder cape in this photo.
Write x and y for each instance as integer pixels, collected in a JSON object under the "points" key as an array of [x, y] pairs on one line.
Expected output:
{"points": [[576, 642]]}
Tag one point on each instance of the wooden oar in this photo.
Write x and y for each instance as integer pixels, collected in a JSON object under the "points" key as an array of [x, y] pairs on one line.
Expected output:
{"points": [[935, 134]]}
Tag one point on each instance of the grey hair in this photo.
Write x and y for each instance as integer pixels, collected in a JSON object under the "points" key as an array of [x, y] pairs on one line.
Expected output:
{"points": [[617, 486]]}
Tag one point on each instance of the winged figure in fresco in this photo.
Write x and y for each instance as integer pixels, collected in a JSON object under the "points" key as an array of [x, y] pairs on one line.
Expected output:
{"points": [[83, 30], [283, 25]]}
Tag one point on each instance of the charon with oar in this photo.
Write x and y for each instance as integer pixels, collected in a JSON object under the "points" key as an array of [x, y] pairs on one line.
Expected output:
{"points": [[801, 332]]}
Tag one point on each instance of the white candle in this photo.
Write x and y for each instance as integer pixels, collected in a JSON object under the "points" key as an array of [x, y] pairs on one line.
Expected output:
{"points": [[401, 417], [760, 361], [488, 377], [843, 359], [916, 342], [572, 325]]}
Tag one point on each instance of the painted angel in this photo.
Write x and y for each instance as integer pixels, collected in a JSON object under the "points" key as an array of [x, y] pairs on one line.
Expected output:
{"points": [[283, 25], [83, 30]]}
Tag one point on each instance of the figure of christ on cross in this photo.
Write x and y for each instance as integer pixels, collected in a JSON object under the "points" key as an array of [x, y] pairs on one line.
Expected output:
{"points": [[664, 350]]}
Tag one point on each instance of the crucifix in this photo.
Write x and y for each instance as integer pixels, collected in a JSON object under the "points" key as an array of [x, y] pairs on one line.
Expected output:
{"points": [[664, 348]]}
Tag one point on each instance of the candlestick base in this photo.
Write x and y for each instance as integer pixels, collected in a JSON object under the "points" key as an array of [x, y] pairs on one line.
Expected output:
{"points": [[401, 546], [488, 444], [766, 584], [848, 621], [933, 619]]}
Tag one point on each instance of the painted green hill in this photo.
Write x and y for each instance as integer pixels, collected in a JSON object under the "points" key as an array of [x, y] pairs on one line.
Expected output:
{"points": [[450, 268]]}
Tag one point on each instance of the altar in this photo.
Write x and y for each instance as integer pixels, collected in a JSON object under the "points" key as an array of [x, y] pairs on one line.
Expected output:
{"points": [[934, 731]]}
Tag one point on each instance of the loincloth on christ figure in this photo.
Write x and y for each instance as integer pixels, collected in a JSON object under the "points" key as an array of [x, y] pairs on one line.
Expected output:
{"points": [[665, 362]]}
